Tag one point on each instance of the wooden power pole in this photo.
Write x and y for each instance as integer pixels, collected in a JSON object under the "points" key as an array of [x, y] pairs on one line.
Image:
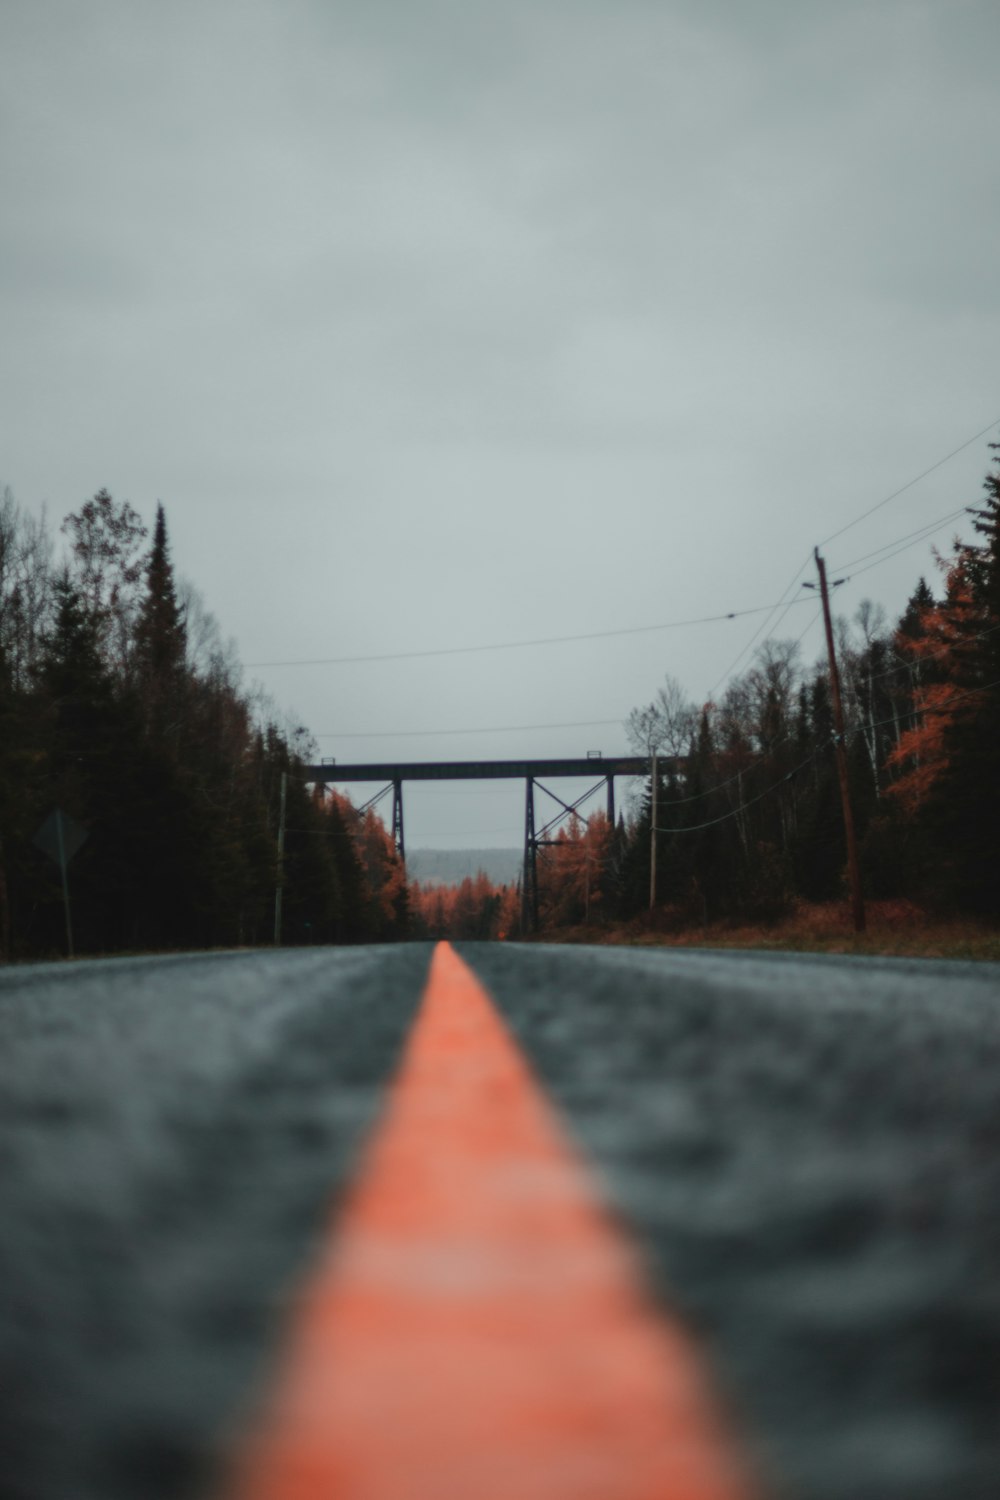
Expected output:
{"points": [[853, 868]]}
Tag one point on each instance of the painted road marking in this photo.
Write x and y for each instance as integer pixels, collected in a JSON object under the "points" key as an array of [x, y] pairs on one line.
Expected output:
{"points": [[477, 1328]]}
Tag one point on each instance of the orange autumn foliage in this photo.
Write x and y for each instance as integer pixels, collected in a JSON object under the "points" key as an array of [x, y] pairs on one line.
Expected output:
{"points": [[473, 909], [939, 652], [383, 873], [572, 871]]}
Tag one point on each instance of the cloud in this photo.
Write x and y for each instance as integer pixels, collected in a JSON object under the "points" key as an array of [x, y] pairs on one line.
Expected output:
{"points": [[471, 317]]}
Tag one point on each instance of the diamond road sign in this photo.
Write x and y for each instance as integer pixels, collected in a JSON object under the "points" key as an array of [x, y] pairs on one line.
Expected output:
{"points": [[60, 836]]}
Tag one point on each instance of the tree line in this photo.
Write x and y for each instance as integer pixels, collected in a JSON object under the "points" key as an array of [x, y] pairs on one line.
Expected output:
{"points": [[753, 819], [748, 812], [122, 706]]}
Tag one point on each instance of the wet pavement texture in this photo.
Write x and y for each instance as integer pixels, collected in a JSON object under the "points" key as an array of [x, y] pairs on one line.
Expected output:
{"points": [[174, 1134], [807, 1150]]}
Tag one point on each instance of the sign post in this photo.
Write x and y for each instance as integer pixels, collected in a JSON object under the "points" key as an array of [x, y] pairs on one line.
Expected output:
{"points": [[60, 836]]}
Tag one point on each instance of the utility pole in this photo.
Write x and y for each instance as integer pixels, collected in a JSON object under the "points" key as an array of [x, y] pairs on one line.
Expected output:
{"points": [[61, 845], [279, 888], [853, 869], [652, 838]]}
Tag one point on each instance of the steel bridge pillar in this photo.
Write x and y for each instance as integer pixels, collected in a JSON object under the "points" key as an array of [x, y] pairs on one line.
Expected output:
{"points": [[611, 802], [397, 820], [529, 880]]}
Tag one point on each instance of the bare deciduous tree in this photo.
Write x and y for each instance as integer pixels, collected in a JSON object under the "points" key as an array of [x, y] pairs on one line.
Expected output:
{"points": [[107, 542], [25, 576], [665, 726]]}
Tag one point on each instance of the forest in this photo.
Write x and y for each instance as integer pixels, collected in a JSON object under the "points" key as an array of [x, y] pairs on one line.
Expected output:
{"points": [[749, 819], [122, 707], [124, 712]]}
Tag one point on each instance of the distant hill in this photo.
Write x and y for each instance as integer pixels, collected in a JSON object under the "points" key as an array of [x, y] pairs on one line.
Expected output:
{"points": [[450, 866]]}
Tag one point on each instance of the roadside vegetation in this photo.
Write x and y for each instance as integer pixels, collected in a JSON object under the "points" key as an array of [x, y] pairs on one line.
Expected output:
{"points": [[122, 707], [895, 928], [749, 840]]}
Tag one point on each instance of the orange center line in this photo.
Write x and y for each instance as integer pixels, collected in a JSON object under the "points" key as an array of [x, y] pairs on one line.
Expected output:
{"points": [[476, 1328]]}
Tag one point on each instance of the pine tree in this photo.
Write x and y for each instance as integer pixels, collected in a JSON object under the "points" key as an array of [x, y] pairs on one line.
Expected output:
{"points": [[91, 767], [72, 670], [963, 808], [948, 761], [702, 847], [920, 601], [160, 639]]}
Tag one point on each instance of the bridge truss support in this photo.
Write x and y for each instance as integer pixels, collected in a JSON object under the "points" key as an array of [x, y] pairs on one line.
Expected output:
{"points": [[397, 820], [396, 788], [392, 774], [529, 879], [538, 839]]}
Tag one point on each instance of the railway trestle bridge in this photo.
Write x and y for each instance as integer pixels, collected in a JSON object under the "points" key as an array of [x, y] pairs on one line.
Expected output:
{"points": [[390, 775]]}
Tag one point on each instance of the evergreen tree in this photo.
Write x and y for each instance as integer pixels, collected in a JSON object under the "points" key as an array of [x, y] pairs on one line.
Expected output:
{"points": [[705, 843], [962, 812], [338, 816], [911, 621], [88, 750], [160, 640]]}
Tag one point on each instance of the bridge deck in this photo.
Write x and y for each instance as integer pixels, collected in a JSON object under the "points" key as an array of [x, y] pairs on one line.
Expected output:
{"points": [[477, 770]]}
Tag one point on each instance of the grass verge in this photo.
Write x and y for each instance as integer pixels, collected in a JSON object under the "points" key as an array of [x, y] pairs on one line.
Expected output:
{"points": [[894, 928]]}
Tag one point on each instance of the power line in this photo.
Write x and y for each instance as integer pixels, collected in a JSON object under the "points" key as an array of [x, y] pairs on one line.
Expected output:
{"points": [[940, 649], [911, 538], [784, 604], [549, 640], [735, 812], [956, 697], [391, 734], [835, 534], [720, 786], [901, 666], [799, 639], [787, 739], [910, 483], [858, 572]]}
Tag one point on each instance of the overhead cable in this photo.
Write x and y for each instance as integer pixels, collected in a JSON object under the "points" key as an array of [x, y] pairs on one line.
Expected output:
{"points": [[776, 786], [905, 547], [784, 604], [940, 649], [910, 483], [735, 812], [394, 734], [548, 640], [848, 527], [916, 536]]}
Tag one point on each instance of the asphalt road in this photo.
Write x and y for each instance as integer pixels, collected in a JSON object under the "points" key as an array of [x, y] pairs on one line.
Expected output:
{"points": [[807, 1150]]}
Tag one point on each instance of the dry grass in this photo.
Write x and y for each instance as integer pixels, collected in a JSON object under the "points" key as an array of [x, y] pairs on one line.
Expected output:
{"points": [[893, 928]]}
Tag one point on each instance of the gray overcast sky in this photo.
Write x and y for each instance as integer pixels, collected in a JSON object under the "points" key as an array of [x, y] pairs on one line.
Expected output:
{"points": [[444, 323]]}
